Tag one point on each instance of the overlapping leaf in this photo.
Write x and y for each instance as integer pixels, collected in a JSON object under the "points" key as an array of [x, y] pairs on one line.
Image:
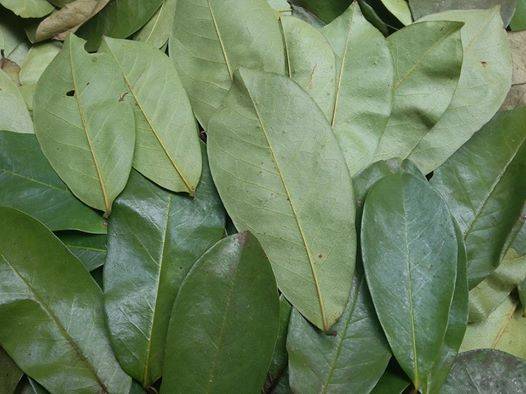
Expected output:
{"points": [[10, 374], [279, 362], [90, 249], [14, 115], [28, 8], [158, 29]]}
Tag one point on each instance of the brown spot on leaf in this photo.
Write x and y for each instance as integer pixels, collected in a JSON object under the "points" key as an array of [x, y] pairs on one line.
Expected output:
{"points": [[121, 98]]}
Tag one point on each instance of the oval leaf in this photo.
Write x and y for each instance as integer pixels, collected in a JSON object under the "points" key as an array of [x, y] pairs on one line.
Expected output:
{"points": [[28, 8], [14, 115]]}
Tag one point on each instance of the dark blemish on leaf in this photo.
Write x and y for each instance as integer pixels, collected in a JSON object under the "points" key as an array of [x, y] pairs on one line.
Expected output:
{"points": [[430, 175], [484, 63], [71, 93], [121, 98], [332, 333], [87, 83], [320, 256]]}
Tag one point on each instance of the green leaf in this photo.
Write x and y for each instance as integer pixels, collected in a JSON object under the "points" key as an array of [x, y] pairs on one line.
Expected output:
{"points": [[361, 105], [517, 95], [211, 39], [29, 386], [158, 29], [310, 60], [119, 19], [279, 361], [10, 374], [14, 115], [38, 59], [84, 124], [411, 272], [282, 7], [154, 239], [519, 18], [28, 8], [400, 9], [88, 248], [326, 10], [351, 357], [476, 198], [271, 153], [522, 295], [221, 340], [64, 345], [483, 85], [391, 383], [12, 35], [29, 184], [428, 59], [167, 143]]}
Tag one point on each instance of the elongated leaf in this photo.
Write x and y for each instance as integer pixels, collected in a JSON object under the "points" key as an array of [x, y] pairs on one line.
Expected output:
{"points": [[154, 238], [14, 115], [167, 149], [271, 153], [487, 203], [157, 31], [89, 249], [361, 105], [211, 39], [400, 9], [483, 85], [412, 272], [221, 340], [391, 383], [10, 374], [38, 59], [279, 362], [350, 358], [85, 125], [428, 59], [46, 290], [119, 19], [311, 62], [29, 184], [326, 10], [28, 8]]}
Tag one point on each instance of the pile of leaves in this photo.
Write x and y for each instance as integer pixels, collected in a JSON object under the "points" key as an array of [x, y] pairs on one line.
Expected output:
{"points": [[241, 196]]}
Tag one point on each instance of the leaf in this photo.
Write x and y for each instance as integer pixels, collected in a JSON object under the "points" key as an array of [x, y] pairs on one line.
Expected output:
{"points": [[47, 291], [167, 143], [119, 19], [411, 273], [38, 59], [503, 330], [281, 7], [517, 94], [400, 9], [12, 35], [213, 38], [519, 18], [28, 8], [157, 31], [476, 198], [271, 153], [484, 82], [29, 184], [10, 374], [88, 248], [154, 239], [522, 295], [428, 59], [85, 127], [391, 383], [361, 105], [279, 362], [282, 386], [210, 346], [14, 115], [306, 16], [310, 61], [326, 10], [350, 358]]}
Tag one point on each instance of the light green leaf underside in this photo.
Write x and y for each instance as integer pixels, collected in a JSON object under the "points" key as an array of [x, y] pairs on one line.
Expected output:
{"points": [[158, 29], [14, 115], [28, 8]]}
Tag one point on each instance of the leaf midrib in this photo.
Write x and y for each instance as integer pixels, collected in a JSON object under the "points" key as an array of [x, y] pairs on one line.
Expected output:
{"points": [[221, 43]]}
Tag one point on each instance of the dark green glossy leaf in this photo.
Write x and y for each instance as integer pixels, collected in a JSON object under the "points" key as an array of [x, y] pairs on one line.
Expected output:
{"points": [[279, 361], [221, 340], [10, 374], [271, 153], [157, 31], [28, 183], [486, 371], [487, 203], [14, 115], [28, 8], [282, 386], [85, 125], [391, 383], [410, 257], [89, 249], [29, 386], [64, 345], [351, 357], [519, 18], [154, 238], [326, 10]]}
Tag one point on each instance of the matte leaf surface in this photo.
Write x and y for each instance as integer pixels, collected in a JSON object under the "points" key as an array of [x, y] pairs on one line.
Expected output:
{"points": [[519, 18], [158, 29], [14, 115], [271, 153], [36, 62], [279, 362], [28, 8], [221, 340], [400, 9], [88, 248]]}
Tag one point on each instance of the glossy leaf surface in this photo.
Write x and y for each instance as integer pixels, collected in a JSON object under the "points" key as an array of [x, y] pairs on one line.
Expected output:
{"points": [[167, 147], [158, 29], [14, 115], [64, 345], [89, 249], [271, 153], [279, 362], [221, 340], [28, 8], [85, 125], [391, 383]]}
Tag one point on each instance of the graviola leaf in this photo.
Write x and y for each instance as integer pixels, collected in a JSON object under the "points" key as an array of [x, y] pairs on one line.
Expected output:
{"points": [[213, 38], [85, 124], [391, 383], [42, 282], [28, 8], [519, 18], [90, 249], [486, 204], [411, 274], [14, 115], [155, 237], [325, 10], [400, 9], [351, 357], [221, 340], [279, 362], [428, 58], [167, 147], [158, 29], [10, 374], [361, 105], [29, 184], [271, 153]]}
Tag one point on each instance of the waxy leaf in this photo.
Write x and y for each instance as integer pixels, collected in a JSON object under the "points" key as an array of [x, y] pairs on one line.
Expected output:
{"points": [[400, 9], [428, 59], [279, 362], [221, 340], [362, 105], [272, 153], [157, 31], [310, 61], [391, 383], [326, 10], [28, 8], [483, 85], [213, 38], [167, 147], [14, 115], [45, 289], [487, 203], [351, 357], [154, 239], [10, 374], [90, 249], [410, 257], [85, 125], [29, 184]]}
